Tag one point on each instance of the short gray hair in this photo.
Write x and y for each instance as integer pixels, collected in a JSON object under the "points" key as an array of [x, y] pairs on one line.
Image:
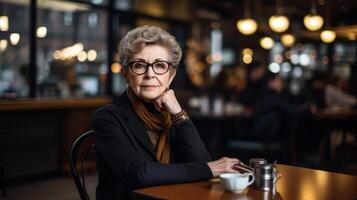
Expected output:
{"points": [[135, 40]]}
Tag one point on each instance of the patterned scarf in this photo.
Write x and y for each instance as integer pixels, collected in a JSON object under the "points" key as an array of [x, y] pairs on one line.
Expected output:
{"points": [[155, 123]]}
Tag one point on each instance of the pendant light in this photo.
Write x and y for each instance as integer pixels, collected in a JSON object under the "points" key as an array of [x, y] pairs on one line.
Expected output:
{"points": [[267, 42], [278, 22], [247, 25], [328, 35], [287, 40], [313, 21]]}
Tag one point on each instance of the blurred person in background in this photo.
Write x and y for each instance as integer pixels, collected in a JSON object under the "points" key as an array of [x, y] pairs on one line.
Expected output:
{"points": [[315, 93], [274, 114], [256, 80], [275, 118], [145, 138], [335, 96]]}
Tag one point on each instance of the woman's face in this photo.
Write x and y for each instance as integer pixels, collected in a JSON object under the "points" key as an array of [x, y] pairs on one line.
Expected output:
{"points": [[149, 86]]}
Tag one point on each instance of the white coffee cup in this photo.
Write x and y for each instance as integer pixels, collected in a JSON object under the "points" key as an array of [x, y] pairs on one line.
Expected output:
{"points": [[236, 182]]}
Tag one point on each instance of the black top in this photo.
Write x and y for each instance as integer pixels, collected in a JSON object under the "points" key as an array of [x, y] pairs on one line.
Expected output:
{"points": [[126, 159]]}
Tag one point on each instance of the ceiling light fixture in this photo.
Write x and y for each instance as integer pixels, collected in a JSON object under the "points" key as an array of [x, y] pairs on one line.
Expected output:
{"points": [[267, 42], [288, 40], [328, 35], [313, 21], [247, 25], [278, 22]]}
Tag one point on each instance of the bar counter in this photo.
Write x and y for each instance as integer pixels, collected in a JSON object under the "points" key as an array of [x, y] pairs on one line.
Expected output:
{"points": [[51, 103]]}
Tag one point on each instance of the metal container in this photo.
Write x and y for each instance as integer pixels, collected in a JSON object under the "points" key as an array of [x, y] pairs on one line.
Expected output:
{"points": [[265, 176], [255, 161]]}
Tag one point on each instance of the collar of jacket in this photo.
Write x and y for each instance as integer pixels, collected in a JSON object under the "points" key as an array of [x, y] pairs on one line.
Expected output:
{"points": [[134, 123]]}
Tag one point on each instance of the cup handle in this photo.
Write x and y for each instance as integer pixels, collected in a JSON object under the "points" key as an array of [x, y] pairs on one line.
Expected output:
{"points": [[253, 179]]}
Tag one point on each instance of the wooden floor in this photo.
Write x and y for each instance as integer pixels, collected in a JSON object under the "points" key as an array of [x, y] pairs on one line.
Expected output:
{"points": [[51, 189]]}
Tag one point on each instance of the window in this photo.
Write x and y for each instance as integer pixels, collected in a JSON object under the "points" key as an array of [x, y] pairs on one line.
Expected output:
{"points": [[72, 50], [14, 49]]}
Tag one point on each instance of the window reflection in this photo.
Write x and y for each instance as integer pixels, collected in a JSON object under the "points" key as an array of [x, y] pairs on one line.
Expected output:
{"points": [[71, 52], [14, 49]]}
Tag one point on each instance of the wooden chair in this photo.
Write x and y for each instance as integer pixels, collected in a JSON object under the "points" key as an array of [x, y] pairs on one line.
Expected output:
{"points": [[2, 176], [80, 184]]}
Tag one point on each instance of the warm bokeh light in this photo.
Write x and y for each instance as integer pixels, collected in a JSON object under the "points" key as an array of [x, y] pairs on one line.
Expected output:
{"points": [[14, 38], [209, 59], [116, 68], [41, 32], [278, 58], [267, 42], [247, 26], [3, 45], [57, 55], [248, 51], [68, 52], [279, 23], [328, 36], [313, 22], [217, 57], [92, 55], [247, 59], [351, 36], [75, 49], [82, 56], [4, 23], [288, 40]]}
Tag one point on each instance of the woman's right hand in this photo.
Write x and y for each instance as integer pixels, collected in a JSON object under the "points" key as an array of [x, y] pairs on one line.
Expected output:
{"points": [[223, 165]]}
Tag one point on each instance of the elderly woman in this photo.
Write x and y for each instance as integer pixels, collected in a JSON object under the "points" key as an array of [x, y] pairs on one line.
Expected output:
{"points": [[145, 138]]}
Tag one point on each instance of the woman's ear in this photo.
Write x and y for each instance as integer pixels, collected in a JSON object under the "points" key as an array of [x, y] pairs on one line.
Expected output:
{"points": [[172, 75]]}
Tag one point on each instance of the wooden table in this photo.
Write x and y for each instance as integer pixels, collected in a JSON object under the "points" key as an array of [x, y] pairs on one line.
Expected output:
{"points": [[341, 114], [296, 183], [339, 121]]}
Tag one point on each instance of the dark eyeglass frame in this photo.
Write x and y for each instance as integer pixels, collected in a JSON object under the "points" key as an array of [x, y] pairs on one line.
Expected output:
{"points": [[147, 65]]}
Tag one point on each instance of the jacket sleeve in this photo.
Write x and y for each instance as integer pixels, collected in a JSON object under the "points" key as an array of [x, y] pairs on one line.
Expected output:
{"points": [[114, 145], [187, 146]]}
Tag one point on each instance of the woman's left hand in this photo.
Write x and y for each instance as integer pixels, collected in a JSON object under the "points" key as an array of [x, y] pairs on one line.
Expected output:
{"points": [[167, 101]]}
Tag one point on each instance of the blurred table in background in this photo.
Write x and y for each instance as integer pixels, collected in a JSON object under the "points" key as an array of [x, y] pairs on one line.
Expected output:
{"points": [[296, 184], [339, 114], [337, 123]]}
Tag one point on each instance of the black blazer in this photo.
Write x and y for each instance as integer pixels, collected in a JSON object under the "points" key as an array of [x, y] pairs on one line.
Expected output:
{"points": [[126, 158]]}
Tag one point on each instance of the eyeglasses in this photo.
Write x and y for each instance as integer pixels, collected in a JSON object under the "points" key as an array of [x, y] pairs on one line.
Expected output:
{"points": [[141, 67]]}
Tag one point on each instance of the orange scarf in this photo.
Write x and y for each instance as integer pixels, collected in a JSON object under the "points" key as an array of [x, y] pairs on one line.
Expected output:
{"points": [[154, 123]]}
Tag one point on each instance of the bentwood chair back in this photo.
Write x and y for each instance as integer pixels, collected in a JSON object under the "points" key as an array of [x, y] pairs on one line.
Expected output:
{"points": [[80, 184], [2, 176]]}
